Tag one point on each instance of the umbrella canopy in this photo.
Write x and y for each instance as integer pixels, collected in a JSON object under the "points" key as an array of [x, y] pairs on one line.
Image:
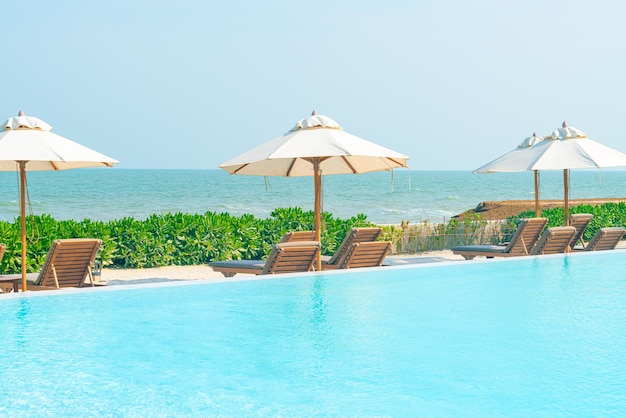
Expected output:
{"points": [[568, 148], [564, 149], [316, 137], [27, 144], [515, 161], [315, 146]]}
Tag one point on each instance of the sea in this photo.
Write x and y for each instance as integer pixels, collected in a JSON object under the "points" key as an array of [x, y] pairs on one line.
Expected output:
{"points": [[389, 197]]}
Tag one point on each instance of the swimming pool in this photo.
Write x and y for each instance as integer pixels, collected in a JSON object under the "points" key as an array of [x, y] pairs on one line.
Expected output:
{"points": [[536, 336]]}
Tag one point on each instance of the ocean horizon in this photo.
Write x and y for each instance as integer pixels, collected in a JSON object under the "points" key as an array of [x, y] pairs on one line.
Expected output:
{"points": [[384, 197]]}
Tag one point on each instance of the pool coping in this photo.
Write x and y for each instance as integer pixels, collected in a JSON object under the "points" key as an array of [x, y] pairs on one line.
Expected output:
{"points": [[325, 273]]}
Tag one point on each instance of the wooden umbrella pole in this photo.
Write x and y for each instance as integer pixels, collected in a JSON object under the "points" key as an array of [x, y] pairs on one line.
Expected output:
{"points": [[317, 180], [22, 165], [537, 209], [566, 195]]}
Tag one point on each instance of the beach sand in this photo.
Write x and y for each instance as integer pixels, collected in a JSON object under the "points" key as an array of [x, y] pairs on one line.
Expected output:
{"points": [[177, 273]]}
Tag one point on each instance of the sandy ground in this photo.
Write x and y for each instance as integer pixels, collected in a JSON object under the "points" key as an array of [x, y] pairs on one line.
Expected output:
{"points": [[173, 273]]}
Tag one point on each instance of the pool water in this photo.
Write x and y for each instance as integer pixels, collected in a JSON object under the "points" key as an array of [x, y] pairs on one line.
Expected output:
{"points": [[534, 336]]}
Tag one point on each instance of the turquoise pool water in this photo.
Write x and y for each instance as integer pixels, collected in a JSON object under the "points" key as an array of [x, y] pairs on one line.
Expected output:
{"points": [[541, 336]]}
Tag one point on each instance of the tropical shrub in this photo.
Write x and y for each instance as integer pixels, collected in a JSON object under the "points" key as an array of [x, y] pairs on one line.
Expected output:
{"points": [[193, 239], [171, 238]]}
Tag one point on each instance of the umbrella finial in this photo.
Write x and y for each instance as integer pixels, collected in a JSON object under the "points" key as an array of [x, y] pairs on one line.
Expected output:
{"points": [[21, 113], [534, 133], [313, 113], [564, 124]]}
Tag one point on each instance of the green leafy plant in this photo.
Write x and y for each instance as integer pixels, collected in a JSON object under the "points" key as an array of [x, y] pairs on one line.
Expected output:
{"points": [[171, 238], [194, 239]]}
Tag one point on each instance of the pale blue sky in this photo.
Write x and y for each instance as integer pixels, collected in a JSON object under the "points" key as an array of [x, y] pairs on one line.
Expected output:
{"points": [[453, 84]]}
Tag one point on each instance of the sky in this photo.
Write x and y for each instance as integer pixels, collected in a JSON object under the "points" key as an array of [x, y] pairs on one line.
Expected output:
{"points": [[453, 84]]}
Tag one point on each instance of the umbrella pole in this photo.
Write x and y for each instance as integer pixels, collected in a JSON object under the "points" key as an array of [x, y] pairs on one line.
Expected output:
{"points": [[22, 165], [317, 181], [537, 209], [566, 195]]}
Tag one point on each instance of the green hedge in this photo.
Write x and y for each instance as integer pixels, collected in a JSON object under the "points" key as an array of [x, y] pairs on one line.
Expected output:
{"points": [[170, 239], [194, 239]]}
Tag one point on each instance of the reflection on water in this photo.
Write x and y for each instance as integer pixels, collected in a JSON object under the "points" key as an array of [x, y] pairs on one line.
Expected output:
{"points": [[319, 322], [15, 323], [318, 306], [23, 322], [24, 310]]}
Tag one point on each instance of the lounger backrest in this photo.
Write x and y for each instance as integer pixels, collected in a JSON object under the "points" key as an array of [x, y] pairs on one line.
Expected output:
{"points": [[292, 257], [365, 254], [296, 236], [355, 235], [526, 236], [69, 262], [580, 222], [554, 240], [605, 239]]}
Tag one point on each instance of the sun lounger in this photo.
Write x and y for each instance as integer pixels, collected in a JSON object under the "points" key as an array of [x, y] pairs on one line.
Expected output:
{"points": [[285, 257], [362, 254], [554, 240], [354, 236], [67, 264], [13, 281], [523, 240], [295, 236], [605, 239], [580, 221]]}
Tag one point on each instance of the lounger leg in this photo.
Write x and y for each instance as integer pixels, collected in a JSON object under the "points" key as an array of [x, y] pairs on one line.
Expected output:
{"points": [[14, 285], [90, 276], [469, 257], [56, 279]]}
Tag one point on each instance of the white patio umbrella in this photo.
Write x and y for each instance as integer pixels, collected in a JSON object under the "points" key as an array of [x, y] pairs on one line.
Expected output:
{"points": [[315, 146], [515, 161], [27, 144], [568, 148]]}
